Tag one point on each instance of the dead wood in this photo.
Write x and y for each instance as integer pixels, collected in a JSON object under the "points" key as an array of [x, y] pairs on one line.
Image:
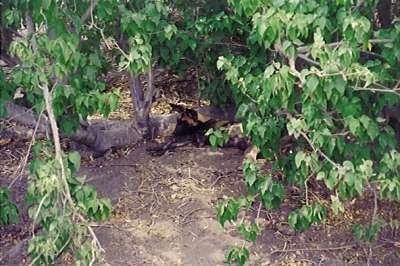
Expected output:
{"points": [[99, 135]]}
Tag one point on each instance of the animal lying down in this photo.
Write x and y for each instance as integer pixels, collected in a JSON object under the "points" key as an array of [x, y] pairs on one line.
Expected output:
{"points": [[192, 125]]}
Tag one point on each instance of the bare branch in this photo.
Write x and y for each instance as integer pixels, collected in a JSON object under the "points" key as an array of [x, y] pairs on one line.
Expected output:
{"points": [[291, 62], [383, 90], [306, 49], [56, 139], [311, 249], [30, 26], [89, 11], [22, 166], [375, 211], [308, 60], [317, 150]]}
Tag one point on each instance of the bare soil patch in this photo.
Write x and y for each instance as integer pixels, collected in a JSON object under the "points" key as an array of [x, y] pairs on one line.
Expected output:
{"points": [[165, 215], [165, 206]]}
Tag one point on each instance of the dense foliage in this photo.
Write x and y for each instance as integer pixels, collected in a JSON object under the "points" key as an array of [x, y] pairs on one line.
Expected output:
{"points": [[316, 84], [329, 80]]}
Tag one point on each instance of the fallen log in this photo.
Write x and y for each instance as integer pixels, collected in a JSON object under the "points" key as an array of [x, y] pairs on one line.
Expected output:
{"points": [[98, 135]]}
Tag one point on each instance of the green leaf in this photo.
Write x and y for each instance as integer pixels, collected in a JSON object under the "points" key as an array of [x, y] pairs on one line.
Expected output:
{"points": [[304, 217], [321, 176], [228, 210], [312, 84], [240, 255], [250, 179], [353, 124], [75, 158], [299, 158], [8, 210], [373, 130], [366, 233], [209, 132], [340, 85], [249, 232], [113, 101], [336, 206], [365, 121], [292, 219], [269, 71], [220, 62], [213, 141], [358, 231], [169, 31]]}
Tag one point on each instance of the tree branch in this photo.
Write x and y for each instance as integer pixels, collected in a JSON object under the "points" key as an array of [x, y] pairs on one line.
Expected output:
{"points": [[308, 60], [318, 150], [22, 166], [136, 90], [30, 26], [89, 11], [306, 49], [149, 94], [383, 90]]}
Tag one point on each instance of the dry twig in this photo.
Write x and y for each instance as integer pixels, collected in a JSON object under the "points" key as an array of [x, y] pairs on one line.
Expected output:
{"points": [[284, 250]]}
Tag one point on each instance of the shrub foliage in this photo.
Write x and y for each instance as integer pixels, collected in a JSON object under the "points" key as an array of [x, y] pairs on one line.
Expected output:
{"points": [[316, 84]]}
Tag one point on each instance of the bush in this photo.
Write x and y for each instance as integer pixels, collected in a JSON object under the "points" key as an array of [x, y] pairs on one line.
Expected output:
{"points": [[316, 84]]}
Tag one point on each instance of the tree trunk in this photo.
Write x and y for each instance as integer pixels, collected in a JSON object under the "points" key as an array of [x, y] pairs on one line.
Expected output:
{"points": [[6, 37], [141, 101], [385, 13]]}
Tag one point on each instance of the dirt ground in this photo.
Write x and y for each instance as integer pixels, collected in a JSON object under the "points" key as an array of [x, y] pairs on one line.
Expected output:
{"points": [[165, 215]]}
